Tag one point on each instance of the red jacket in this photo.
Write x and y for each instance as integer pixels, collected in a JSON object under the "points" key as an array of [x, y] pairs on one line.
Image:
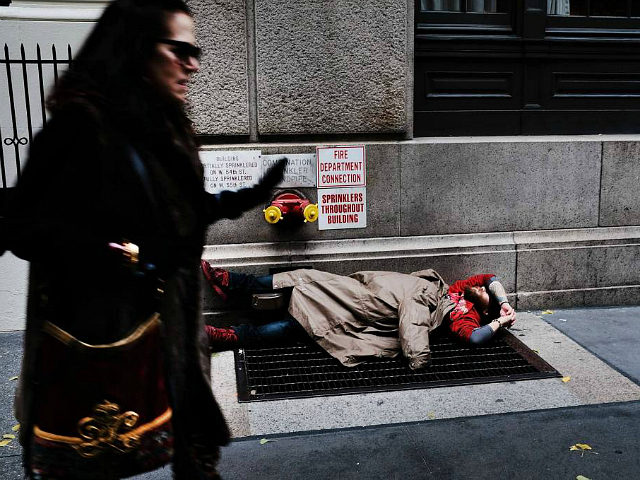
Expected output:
{"points": [[465, 317]]}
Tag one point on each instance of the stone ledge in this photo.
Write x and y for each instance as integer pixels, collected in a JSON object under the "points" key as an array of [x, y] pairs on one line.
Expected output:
{"points": [[430, 140], [585, 297], [418, 246], [541, 269], [530, 139]]}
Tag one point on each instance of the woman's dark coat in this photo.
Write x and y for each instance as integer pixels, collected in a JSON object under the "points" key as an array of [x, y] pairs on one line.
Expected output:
{"points": [[78, 192]]}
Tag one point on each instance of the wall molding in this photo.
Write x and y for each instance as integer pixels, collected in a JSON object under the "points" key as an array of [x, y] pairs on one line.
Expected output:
{"points": [[310, 252]]}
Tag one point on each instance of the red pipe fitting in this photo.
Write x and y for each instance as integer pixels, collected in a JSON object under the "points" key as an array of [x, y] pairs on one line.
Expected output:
{"points": [[291, 205]]}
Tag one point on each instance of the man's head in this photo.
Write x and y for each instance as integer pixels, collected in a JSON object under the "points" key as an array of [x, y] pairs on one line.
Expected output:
{"points": [[479, 297]]}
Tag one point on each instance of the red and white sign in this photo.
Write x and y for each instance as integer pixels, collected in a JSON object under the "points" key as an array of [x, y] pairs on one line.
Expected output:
{"points": [[342, 208], [341, 166]]}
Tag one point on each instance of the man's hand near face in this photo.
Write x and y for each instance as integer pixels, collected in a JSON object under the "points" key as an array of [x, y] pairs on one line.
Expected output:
{"points": [[507, 315]]}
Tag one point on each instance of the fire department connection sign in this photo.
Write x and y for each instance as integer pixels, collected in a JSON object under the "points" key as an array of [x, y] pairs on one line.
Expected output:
{"points": [[341, 167], [342, 193]]}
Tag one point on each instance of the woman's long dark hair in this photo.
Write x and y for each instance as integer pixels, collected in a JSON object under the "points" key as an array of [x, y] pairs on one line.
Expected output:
{"points": [[109, 71]]}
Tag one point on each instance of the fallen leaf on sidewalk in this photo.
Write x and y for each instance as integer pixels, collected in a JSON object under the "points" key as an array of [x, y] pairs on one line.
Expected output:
{"points": [[566, 379], [15, 428], [265, 440], [13, 378], [431, 415], [8, 435], [582, 477], [547, 312], [582, 447], [4, 443]]}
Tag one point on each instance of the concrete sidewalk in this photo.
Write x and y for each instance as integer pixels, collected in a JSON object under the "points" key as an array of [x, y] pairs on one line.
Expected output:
{"points": [[474, 432], [591, 381]]}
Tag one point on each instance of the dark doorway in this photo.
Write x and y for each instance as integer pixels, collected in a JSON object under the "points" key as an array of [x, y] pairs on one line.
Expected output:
{"points": [[526, 67]]}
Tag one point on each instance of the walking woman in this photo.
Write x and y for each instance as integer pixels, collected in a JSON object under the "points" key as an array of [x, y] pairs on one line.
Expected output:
{"points": [[112, 214]]}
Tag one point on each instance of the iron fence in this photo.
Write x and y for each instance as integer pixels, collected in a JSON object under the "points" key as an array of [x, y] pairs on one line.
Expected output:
{"points": [[22, 104]]}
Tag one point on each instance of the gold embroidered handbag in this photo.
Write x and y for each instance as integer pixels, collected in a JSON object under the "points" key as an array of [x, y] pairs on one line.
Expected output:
{"points": [[102, 404]]}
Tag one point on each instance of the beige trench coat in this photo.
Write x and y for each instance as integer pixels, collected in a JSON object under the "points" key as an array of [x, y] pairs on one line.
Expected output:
{"points": [[368, 314]]}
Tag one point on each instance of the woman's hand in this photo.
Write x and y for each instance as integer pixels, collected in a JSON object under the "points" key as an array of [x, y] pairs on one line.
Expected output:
{"points": [[232, 204], [273, 176]]}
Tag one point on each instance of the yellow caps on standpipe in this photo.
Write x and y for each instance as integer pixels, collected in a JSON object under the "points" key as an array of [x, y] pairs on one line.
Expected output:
{"points": [[272, 214], [311, 212]]}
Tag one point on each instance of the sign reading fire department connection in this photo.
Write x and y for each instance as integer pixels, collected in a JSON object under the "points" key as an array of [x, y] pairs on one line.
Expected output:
{"points": [[341, 167], [342, 193]]}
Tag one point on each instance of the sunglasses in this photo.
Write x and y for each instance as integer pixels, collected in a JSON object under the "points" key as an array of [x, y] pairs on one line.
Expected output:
{"points": [[183, 50]]}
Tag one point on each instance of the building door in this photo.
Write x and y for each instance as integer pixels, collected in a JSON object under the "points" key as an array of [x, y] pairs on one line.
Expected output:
{"points": [[526, 67]]}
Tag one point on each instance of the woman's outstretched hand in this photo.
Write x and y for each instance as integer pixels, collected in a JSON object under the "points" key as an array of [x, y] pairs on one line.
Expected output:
{"points": [[232, 204], [273, 176]]}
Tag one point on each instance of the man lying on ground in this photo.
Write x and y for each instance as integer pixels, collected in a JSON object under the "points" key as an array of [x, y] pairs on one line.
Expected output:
{"points": [[366, 314]]}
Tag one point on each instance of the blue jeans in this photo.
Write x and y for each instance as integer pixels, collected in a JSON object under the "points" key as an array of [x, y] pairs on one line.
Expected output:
{"points": [[272, 334], [250, 283], [275, 333]]}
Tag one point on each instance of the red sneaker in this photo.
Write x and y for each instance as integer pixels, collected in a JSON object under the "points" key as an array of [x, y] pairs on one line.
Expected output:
{"points": [[218, 278], [221, 339]]}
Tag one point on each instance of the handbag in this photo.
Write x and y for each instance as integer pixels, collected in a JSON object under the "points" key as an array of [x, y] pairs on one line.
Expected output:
{"points": [[103, 409], [110, 408]]}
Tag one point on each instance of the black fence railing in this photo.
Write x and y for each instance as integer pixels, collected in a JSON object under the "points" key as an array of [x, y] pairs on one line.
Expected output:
{"points": [[22, 105]]}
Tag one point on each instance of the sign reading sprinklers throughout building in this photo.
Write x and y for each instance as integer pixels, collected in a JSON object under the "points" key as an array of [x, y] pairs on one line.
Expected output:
{"points": [[342, 208], [342, 193]]}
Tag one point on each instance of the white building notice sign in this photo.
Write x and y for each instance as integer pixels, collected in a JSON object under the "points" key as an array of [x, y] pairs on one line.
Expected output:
{"points": [[230, 170], [341, 166], [300, 171], [342, 208]]}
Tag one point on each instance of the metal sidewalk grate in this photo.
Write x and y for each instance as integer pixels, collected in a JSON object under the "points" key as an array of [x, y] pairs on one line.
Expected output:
{"points": [[306, 370]]}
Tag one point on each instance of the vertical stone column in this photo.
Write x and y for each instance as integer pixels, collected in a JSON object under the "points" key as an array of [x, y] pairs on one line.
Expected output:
{"points": [[218, 100], [336, 67], [321, 68]]}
